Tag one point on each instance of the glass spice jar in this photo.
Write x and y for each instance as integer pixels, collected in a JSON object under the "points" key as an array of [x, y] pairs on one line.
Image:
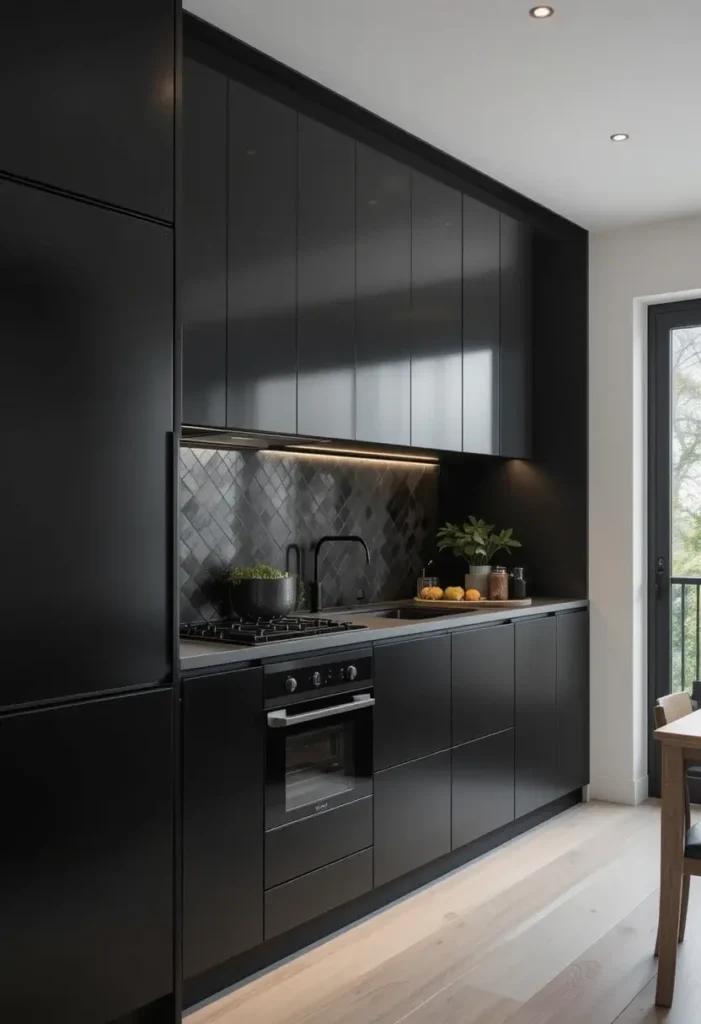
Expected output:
{"points": [[499, 584]]}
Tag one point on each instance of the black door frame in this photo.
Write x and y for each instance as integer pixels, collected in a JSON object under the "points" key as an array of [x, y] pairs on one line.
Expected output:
{"points": [[662, 319]]}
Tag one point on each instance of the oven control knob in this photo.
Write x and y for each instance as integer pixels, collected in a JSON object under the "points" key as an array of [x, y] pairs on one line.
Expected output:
{"points": [[290, 684], [352, 672], [316, 678]]}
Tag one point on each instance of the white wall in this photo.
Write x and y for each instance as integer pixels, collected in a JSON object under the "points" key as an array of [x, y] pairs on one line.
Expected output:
{"points": [[629, 268]]}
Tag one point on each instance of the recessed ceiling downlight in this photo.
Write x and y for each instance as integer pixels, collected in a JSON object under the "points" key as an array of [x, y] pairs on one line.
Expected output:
{"points": [[541, 11], [619, 137]]}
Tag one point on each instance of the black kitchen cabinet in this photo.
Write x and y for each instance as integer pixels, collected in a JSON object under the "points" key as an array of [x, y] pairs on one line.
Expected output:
{"points": [[87, 100], [536, 714], [572, 701], [262, 263], [86, 412], [483, 682], [203, 244], [412, 816], [223, 817], [412, 699], [383, 298], [516, 350], [483, 787], [326, 282], [86, 859], [436, 314], [481, 352]]}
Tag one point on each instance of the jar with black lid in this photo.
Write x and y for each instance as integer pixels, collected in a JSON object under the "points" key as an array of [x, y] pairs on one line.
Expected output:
{"points": [[518, 584]]}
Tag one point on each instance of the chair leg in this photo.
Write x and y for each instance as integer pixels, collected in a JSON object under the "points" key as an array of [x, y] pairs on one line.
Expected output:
{"points": [[685, 906]]}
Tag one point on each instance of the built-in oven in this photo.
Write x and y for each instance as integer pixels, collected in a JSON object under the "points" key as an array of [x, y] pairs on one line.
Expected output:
{"points": [[318, 786]]}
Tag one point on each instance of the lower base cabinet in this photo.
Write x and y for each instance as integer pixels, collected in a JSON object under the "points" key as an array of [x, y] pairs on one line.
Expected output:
{"points": [[412, 815], [483, 787]]}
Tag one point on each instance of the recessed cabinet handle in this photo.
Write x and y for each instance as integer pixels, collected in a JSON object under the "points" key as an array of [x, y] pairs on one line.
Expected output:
{"points": [[280, 719]]}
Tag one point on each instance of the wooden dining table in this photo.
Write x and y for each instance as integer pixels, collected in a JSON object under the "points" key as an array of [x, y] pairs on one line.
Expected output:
{"points": [[681, 743]]}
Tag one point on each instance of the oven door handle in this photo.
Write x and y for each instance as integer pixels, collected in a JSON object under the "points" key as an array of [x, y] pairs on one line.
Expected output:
{"points": [[280, 719]]}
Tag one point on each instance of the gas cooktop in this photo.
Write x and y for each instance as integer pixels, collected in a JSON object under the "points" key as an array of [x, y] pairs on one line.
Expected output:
{"points": [[262, 631]]}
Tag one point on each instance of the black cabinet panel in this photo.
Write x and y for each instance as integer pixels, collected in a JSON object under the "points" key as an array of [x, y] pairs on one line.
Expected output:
{"points": [[516, 374], [86, 860], [326, 281], [86, 394], [536, 718], [383, 299], [412, 694], [86, 103], [314, 894], [436, 303], [203, 244], [483, 787], [480, 328], [262, 266], [412, 816], [223, 800], [572, 701], [483, 682]]}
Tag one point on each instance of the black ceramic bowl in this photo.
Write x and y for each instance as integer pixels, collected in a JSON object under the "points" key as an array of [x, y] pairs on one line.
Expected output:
{"points": [[265, 599]]}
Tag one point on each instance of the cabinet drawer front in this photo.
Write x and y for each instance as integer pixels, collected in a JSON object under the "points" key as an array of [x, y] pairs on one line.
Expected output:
{"points": [[483, 682], [303, 846], [483, 787], [536, 714], [307, 897]]}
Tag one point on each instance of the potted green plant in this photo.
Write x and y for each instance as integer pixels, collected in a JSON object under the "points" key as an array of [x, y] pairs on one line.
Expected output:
{"points": [[262, 591], [477, 543]]}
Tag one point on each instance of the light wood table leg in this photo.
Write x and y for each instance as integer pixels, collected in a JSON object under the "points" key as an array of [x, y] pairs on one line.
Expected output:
{"points": [[671, 864]]}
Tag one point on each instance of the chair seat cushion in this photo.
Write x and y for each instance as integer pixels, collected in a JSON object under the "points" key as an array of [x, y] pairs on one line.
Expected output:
{"points": [[693, 842]]}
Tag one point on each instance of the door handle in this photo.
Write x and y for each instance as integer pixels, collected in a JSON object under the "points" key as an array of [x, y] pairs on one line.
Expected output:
{"points": [[659, 573], [280, 719]]}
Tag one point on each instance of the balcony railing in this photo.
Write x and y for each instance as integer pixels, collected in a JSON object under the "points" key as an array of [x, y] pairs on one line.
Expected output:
{"points": [[686, 631]]}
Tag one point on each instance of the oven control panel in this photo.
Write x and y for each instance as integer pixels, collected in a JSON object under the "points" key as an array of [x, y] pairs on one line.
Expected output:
{"points": [[311, 677]]}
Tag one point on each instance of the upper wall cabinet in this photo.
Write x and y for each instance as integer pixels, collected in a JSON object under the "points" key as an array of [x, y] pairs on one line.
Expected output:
{"points": [[516, 373], [85, 141], [203, 233], [480, 328], [262, 264], [436, 297], [383, 299], [326, 282]]}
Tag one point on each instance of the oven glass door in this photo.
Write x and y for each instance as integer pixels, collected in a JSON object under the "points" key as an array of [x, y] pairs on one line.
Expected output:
{"points": [[319, 764]]}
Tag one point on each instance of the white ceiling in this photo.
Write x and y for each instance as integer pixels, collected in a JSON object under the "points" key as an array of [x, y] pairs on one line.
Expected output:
{"points": [[531, 103]]}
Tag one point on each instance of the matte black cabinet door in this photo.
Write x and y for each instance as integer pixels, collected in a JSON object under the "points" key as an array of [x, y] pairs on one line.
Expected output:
{"points": [[86, 860], [483, 787], [412, 816], [383, 299], [516, 372], [483, 682], [262, 267], [412, 700], [480, 328], [436, 307], [203, 241], [86, 407], [223, 817], [572, 701], [536, 714], [86, 103], [326, 282]]}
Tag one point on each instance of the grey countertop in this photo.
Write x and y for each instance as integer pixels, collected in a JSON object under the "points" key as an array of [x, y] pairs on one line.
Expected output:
{"points": [[196, 656]]}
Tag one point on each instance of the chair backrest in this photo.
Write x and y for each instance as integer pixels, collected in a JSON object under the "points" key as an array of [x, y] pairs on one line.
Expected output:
{"points": [[672, 707]]}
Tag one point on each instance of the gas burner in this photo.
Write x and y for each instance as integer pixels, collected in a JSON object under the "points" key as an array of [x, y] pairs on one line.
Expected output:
{"points": [[251, 632]]}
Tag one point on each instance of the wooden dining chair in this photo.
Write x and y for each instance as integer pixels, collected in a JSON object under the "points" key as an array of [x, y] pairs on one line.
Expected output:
{"points": [[667, 710]]}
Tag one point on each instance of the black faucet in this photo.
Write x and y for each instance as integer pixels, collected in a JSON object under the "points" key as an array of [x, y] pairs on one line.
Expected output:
{"points": [[315, 595]]}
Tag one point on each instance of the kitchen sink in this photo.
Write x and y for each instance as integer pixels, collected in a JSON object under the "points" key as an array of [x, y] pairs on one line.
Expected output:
{"points": [[407, 612]]}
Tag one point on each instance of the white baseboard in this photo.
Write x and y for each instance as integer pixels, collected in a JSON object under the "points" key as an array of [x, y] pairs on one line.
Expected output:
{"points": [[618, 791]]}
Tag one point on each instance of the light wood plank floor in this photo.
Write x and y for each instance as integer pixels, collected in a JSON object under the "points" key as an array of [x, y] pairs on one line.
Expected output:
{"points": [[557, 927]]}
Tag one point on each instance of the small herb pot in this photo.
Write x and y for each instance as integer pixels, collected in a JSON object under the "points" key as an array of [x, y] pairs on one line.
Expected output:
{"points": [[264, 599]]}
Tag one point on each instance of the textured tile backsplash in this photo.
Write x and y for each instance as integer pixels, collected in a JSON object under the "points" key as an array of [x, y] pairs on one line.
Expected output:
{"points": [[238, 508]]}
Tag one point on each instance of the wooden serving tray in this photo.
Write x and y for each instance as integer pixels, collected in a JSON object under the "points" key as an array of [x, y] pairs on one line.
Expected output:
{"points": [[524, 602]]}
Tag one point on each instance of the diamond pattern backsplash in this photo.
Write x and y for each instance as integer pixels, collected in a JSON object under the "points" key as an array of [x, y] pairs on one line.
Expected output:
{"points": [[238, 508]]}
